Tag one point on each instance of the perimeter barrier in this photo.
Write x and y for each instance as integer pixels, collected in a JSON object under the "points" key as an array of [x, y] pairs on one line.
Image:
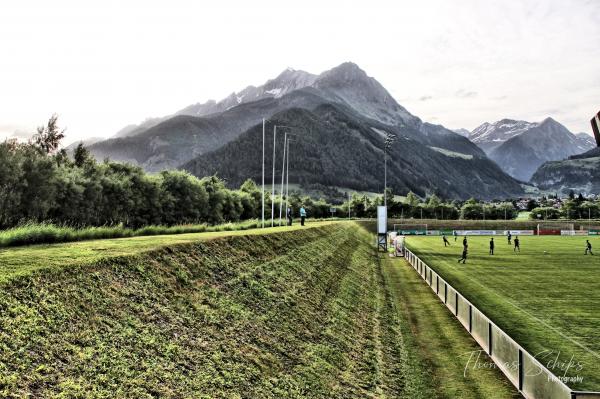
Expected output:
{"points": [[524, 371]]}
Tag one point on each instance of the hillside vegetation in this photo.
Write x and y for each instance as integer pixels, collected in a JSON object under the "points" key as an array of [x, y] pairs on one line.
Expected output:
{"points": [[324, 151], [305, 313]]}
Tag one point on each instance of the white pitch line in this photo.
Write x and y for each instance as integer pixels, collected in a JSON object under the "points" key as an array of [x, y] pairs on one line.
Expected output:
{"points": [[545, 324]]}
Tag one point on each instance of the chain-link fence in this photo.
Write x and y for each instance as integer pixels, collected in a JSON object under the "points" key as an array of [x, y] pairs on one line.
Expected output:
{"points": [[526, 373]]}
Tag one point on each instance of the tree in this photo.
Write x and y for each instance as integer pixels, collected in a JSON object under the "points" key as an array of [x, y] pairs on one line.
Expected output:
{"points": [[36, 186], [571, 209], [531, 204], [81, 155], [506, 209], [252, 201], [590, 209], [411, 199], [215, 188], [433, 205], [389, 196], [62, 158], [11, 158], [47, 139], [358, 205], [185, 199], [544, 213], [434, 201], [471, 210]]}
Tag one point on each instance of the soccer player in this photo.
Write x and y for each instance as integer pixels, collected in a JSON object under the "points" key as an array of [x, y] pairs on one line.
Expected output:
{"points": [[446, 243], [465, 242], [464, 255], [509, 238], [492, 246], [588, 247], [455, 235], [517, 244]]}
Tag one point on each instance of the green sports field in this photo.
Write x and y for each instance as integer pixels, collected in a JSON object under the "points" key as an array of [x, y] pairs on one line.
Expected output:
{"points": [[547, 297]]}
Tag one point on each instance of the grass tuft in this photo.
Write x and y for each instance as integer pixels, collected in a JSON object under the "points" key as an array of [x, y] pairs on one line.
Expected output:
{"points": [[48, 233]]}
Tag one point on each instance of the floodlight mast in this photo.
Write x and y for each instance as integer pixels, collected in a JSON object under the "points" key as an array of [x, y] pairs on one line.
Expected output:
{"points": [[389, 140], [287, 173], [287, 178], [282, 176], [263, 176], [273, 176]]}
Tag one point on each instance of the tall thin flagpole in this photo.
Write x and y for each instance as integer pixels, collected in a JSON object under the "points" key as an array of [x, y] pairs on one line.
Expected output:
{"points": [[385, 177], [348, 204], [287, 178], [273, 177], [282, 177], [263, 176]]}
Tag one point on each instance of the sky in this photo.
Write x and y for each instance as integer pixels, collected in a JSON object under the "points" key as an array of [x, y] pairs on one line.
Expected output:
{"points": [[101, 65]]}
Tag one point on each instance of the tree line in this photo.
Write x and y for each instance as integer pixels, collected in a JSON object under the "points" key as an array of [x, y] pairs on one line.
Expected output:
{"points": [[574, 207], [431, 208], [40, 183]]}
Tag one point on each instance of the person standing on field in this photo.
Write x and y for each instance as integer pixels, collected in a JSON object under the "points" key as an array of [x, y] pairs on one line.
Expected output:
{"points": [[465, 242], [588, 247], [492, 246], [302, 215], [517, 244], [455, 235], [464, 255], [446, 243], [289, 216], [509, 238]]}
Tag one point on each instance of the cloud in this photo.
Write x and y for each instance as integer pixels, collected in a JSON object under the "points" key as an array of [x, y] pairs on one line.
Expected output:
{"points": [[425, 98], [462, 93], [553, 111], [21, 134]]}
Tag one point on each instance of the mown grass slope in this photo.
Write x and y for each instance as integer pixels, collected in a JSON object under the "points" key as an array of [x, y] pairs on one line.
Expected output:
{"points": [[547, 297], [24, 260], [280, 315], [308, 313]]}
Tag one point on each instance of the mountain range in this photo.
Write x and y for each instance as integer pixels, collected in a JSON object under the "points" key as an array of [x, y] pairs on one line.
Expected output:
{"points": [[347, 114], [521, 147], [580, 173]]}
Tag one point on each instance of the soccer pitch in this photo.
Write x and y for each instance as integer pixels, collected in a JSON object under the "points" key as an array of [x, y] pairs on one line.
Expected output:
{"points": [[549, 302]]}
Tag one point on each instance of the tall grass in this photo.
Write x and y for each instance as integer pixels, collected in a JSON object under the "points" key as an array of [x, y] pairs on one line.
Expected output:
{"points": [[48, 233]]}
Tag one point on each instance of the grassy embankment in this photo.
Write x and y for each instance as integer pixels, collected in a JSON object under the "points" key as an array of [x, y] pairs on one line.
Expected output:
{"points": [[304, 313], [48, 233], [548, 302]]}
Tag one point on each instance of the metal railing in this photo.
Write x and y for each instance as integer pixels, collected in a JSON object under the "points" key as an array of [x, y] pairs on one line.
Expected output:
{"points": [[525, 372]]}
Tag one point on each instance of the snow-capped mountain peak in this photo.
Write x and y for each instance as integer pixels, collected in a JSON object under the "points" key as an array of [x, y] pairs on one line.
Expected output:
{"points": [[520, 147], [491, 135], [288, 80]]}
